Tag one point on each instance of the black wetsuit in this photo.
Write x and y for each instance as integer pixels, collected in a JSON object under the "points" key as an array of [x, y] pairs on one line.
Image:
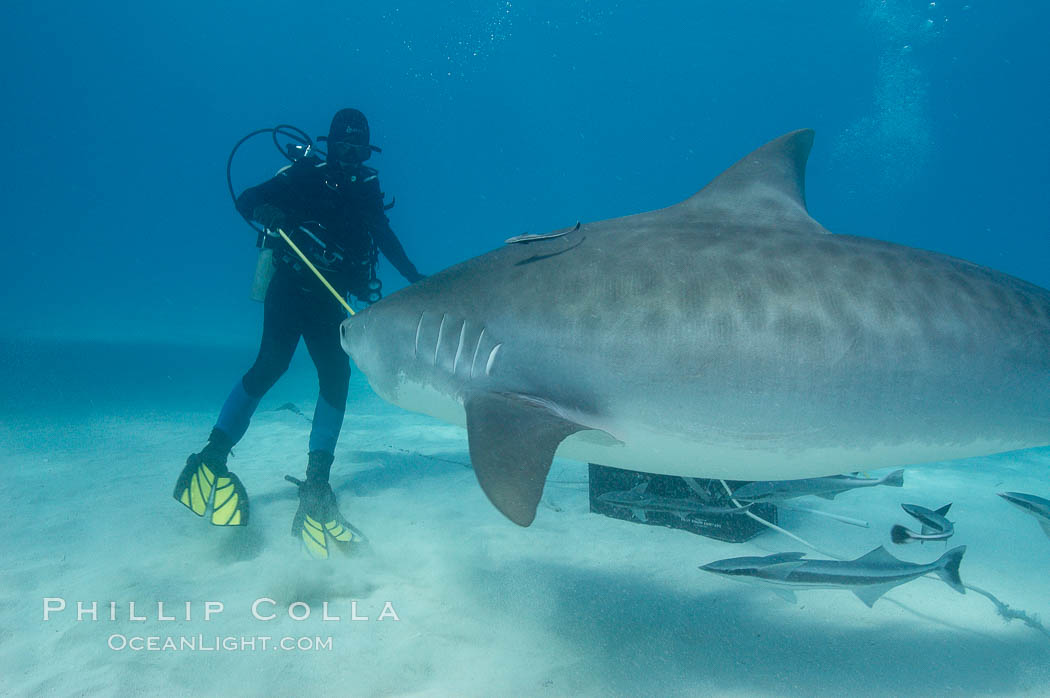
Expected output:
{"points": [[348, 205]]}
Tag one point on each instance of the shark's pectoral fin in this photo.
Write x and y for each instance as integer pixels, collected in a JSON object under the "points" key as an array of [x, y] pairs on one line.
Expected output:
{"points": [[785, 594], [870, 594], [512, 442], [1046, 528]]}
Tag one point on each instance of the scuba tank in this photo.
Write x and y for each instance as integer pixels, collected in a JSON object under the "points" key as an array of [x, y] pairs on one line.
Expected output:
{"points": [[300, 147], [264, 268]]}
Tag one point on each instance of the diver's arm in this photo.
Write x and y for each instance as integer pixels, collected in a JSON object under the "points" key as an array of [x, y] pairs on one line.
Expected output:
{"points": [[386, 240], [392, 249], [276, 191]]}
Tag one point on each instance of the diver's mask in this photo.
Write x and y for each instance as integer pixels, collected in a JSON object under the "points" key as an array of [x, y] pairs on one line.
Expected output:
{"points": [[351, 150], [347, 154]]}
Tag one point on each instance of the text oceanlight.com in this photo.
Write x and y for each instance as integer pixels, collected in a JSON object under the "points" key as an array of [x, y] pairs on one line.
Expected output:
{"points": [[203, 643]]}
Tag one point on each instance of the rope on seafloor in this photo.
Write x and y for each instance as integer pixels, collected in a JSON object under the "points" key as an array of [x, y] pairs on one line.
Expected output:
{"points": [[290, 407], [820, 512], [1008, 613], [773, 526], [468, 466]]}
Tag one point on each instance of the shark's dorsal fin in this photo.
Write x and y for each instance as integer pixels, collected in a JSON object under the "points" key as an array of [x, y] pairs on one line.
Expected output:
{"points": [[781, 565], [943, 510], [878, 556], [512, 440], [767, 186]]}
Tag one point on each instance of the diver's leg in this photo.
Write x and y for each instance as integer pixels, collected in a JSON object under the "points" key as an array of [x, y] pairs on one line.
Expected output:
{"points": [[282, 327], [280, 336], [318, 522], [206, 473], [333, 379]]}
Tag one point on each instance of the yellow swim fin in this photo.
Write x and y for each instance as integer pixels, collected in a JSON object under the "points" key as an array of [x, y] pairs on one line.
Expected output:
{"points": [[200, 486], [318, 524]]}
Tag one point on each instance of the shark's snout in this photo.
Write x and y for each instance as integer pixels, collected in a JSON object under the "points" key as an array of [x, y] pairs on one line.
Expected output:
{"points": [[344, 335], [353, 337]]}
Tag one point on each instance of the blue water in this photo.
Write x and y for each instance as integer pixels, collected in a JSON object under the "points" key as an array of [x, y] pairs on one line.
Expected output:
{"points": [[495, 118], [127, 270]]}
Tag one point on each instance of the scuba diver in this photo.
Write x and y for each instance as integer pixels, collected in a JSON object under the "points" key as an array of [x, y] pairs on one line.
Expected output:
{"points": [[334, 210]]}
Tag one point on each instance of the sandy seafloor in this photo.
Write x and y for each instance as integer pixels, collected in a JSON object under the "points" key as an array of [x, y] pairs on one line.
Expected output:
{"points": [[92, 439]]}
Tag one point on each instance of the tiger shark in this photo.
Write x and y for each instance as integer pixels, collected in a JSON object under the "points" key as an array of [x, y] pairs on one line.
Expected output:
{"points": [[727, 336]]}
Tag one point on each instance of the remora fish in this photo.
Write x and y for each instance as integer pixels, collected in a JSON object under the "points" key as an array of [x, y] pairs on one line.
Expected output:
{"points": [[729, 336], [869, 577], [1030, 504], [639, 502], [826, 487], [526, 238], [934, 525]]}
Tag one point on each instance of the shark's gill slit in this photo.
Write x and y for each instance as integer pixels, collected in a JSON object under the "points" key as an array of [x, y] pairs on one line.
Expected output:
{"points": [[459, 349], [474, 361], [441, 331], [419, 328], [492, 359]]}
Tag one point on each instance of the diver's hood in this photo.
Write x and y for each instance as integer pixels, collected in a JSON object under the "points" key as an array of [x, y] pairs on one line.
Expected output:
{"points": [[349, 125]]}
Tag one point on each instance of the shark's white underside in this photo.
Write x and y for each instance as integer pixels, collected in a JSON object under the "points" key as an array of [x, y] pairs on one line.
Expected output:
{"points": [[741, 456]]}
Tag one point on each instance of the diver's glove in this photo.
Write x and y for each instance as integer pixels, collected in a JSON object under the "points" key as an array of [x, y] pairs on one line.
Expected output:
{"points": [[207, 481], [318, 521], [270, 217]]}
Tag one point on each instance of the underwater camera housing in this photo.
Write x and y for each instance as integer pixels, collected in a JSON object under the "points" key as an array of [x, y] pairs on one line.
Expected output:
{"points": [[606, 482]]}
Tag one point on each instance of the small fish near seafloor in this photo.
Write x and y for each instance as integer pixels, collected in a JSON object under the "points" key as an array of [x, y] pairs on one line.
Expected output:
{"points": [[934, 525], [639, 502], [826, 487], [869, 576], [1030, 504]]}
